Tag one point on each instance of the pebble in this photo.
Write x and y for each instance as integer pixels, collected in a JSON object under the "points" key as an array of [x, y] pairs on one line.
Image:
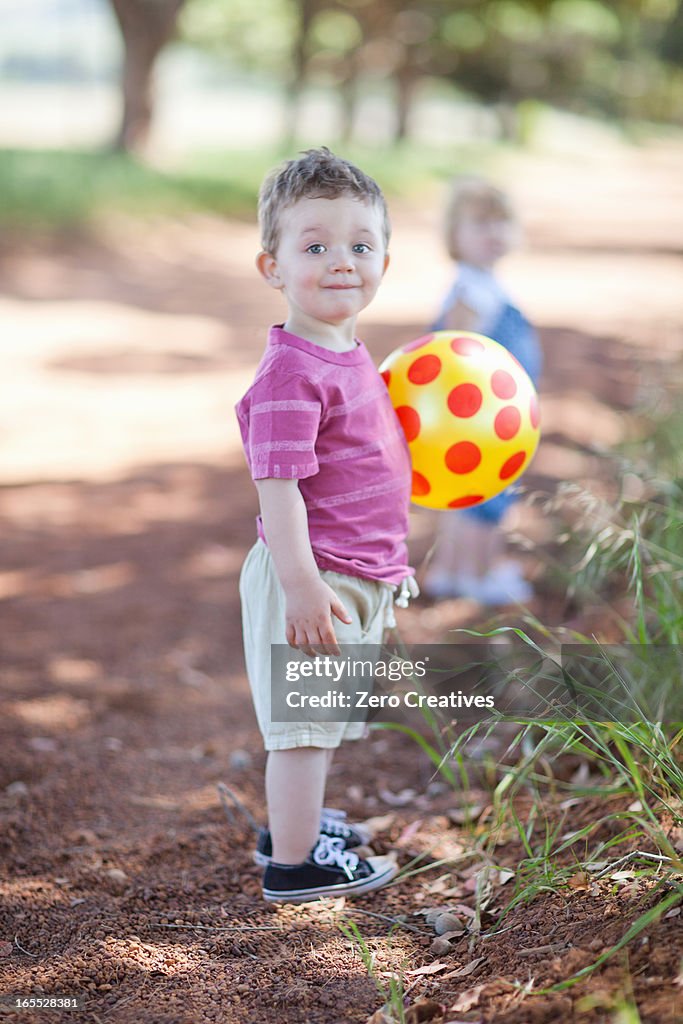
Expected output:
{"points": [[240, 759], [448, 923], [118, 879], [43, 744], [16, 789], [440, 946]]}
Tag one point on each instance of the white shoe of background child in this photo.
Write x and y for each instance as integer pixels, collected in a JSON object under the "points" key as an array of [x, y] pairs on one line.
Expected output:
{"points": [[504, 584], [440, 585]]}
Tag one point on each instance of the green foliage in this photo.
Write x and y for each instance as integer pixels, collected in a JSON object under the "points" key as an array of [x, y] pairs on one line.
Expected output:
{"points": [[337, 31], [633, 766], [252, 33], [392, 994], [55, 189], [585, 55], [587, 18], [66, 189]]}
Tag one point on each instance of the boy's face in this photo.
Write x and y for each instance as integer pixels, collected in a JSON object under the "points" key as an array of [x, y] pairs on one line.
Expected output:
{"points": [[482, 240], [330, 259]]}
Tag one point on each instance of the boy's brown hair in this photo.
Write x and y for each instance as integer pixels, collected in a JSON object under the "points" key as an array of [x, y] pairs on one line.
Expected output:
{"points": [[316, 174], [478, 197]]}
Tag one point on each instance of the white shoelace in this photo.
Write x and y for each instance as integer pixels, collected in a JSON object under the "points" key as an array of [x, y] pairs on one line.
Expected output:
{"points": [[333, 812], [330, 851], [334, 827]]}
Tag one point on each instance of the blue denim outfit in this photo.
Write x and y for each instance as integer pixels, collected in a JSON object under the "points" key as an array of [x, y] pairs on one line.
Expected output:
{"points": [[510, 328]]}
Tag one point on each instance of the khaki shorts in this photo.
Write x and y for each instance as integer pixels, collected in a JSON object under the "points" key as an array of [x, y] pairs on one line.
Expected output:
{"points": [[369, 604]]}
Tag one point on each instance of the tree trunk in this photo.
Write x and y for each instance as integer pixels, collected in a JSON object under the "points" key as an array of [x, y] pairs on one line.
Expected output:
{"points": [[306, 9], [146, 26], [406, 78], [671, 46]]}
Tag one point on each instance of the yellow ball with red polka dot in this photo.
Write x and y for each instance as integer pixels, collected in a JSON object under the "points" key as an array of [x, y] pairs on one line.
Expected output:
{"points": [[470, 415]]}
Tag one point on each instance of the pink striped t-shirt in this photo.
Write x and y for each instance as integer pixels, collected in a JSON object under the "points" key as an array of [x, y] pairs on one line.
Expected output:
{"points": [[325, 419]]}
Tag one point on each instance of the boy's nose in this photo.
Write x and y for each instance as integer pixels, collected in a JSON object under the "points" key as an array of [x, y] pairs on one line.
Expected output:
{"points": [[341, 260]]}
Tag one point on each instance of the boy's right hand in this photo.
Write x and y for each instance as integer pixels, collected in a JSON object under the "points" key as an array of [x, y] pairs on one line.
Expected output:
{"points": [[310, 607]]}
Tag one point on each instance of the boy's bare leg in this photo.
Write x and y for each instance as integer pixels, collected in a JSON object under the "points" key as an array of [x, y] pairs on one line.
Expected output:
{"points": [[295, 789]]}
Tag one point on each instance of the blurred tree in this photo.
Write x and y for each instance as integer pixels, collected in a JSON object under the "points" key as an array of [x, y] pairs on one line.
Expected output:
{"points": [[268, 37], [146, 26], [671, 46], [254, 35], [584, 55]]}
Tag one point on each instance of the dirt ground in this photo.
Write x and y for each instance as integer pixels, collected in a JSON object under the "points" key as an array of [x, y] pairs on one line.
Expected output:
{"points": [[126, 511]]}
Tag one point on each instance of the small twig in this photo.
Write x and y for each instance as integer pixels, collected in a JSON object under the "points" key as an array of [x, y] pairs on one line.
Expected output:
{"points": [[413, 984], [550, 947], [121, 1002], [226, 794], [500, 931], [660, 858], [217, 928], [392, 920], [19, 946]]}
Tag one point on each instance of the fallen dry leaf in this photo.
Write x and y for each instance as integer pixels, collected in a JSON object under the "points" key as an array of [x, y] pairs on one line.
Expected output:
{"points": [[378, 823], [364, 851], [380, 1017], [467, 999], [628, 889], [424, 1010], [454, 892], [582, 774], [579, 880], [408, 832], [406, 796], [505, 876], [439, 884], [465, 815], [463, 909], [428, 969], [469, 968]]}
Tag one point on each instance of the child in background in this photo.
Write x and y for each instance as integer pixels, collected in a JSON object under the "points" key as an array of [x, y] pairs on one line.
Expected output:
{"points": [[332, 470], [468, 556]]}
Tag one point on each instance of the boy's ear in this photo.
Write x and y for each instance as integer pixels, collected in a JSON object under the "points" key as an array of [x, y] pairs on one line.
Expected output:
{"points": [[387, 261], [268, 269]]}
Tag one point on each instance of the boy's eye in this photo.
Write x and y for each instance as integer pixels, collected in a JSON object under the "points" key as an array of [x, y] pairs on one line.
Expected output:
{"points": [[316, 248], [361, 247]]}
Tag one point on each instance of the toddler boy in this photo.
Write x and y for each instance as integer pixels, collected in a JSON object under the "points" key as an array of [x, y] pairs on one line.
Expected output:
{"points": [[332, 470]]}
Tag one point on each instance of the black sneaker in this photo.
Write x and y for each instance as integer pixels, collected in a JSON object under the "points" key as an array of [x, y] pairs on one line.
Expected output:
{"points": [[332, 823], [329, 870]]}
